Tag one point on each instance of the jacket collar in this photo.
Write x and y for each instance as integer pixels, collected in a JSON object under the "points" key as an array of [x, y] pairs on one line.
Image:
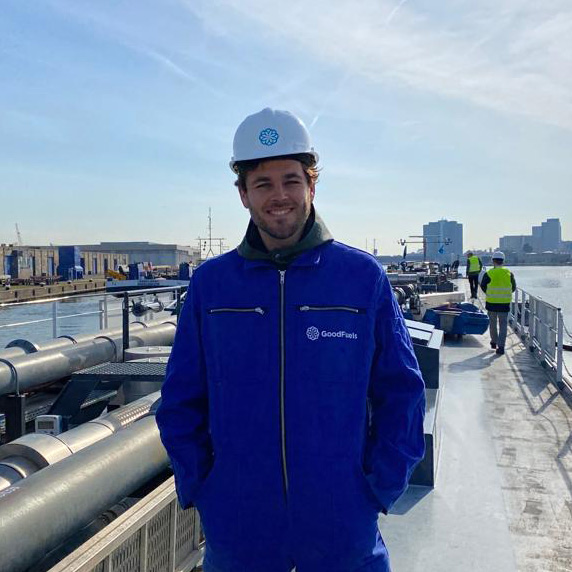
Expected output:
{"points": [[303, 253]]}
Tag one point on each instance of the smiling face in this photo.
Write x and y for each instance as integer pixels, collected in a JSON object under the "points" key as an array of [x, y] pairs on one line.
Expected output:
{"points": [[279, 198]]}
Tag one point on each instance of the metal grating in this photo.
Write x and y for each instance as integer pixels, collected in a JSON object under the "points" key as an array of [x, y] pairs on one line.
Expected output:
{"points": [[126, 558], [31, 413], [185, 538], [159, 541], [98, 395], [124, 368], [154, 535]]}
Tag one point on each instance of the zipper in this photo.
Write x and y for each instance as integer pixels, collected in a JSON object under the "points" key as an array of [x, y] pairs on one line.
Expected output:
{"points": [[256, 310], [282, 388], [330, 308]]}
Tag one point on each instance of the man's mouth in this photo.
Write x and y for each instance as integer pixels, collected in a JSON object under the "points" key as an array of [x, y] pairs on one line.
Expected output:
{"points": [[279, 212]]}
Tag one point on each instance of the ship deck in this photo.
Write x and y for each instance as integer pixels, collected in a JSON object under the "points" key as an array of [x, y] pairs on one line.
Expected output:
{"points": [[503, 494]]}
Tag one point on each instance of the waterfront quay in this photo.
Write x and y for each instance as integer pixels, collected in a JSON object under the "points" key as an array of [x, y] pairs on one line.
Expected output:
{"points": [[38, 292]]}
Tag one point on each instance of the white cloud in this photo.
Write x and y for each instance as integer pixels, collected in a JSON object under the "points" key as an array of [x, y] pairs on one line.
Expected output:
{"points": [[513, 57], [157, 46]]}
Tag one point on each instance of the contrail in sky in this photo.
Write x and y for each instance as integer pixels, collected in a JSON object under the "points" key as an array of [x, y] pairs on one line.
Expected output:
{"points": [[394, 11], [348, 75]]}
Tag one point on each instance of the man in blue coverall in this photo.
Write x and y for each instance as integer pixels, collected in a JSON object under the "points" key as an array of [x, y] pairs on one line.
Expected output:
{"points": [[293, 405]]}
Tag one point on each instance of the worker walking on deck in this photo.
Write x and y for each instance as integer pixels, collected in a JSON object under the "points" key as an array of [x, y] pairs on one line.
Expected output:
{"points": [[293, 404], [498, 284], [474, 267]]}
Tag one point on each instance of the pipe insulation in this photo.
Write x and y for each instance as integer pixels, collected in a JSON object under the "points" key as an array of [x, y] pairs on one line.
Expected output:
{"points": [[27, 371], [41, 512], [25, 456], [20, 347]]}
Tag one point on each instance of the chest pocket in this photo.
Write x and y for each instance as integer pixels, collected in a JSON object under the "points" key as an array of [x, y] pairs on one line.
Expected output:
{"points": [[232, 335], [331, 342], [237, 343]]}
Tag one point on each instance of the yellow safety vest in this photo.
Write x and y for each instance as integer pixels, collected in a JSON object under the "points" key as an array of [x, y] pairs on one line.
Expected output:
{"points": [[499, 289], [474, 266]]}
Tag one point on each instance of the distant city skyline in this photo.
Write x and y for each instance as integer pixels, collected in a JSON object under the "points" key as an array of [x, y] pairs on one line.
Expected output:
{"points": [[543, 238], [443, 229], [117, 118]]}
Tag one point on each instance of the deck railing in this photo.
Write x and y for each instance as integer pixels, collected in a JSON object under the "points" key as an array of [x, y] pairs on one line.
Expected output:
{"points": [[109, 306], [540, 326], [155, 535]]}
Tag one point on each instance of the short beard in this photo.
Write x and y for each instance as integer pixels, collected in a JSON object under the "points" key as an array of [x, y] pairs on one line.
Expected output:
{"points": [[287, 232]]}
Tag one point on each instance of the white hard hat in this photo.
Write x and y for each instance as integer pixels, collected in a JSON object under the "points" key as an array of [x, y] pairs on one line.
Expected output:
{"points": [[498, 255], [270, 133]]}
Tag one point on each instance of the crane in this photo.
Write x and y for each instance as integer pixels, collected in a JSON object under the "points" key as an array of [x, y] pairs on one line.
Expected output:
{"points": [[18, 236], [435, 239]]}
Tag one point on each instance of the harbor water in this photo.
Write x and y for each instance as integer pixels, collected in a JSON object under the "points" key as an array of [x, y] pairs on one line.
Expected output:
{"points": [[551, 283], [76, 315]]}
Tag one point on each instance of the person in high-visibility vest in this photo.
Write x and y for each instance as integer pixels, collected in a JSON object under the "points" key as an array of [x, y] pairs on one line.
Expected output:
{"points": [[498, 284], [474, 267]]}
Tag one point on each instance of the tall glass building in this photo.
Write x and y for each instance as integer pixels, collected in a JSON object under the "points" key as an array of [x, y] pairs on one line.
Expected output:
{"points": [[437, 234], [551, 235]]}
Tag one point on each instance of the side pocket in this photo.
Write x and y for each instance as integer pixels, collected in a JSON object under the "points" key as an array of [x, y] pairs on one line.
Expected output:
{"points": [[368, 491], [206, 484]]}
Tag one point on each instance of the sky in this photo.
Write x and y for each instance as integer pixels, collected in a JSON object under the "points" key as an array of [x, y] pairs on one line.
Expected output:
{"points": [[117, 117]]}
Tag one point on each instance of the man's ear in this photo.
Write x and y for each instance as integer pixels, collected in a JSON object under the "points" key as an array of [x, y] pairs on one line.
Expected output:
{"points": [[312, 191], [244, 198]]}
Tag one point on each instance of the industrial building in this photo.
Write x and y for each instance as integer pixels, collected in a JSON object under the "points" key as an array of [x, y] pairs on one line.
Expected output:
{"points": [[157, 254], [68, 262], [74, 261], [23, 262]]}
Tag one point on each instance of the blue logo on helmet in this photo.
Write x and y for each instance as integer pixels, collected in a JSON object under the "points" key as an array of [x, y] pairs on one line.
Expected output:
{"points": [[268, 136]]}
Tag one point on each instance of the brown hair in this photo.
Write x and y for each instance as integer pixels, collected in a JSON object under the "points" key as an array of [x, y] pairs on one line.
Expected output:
{"points": [[311, 170]]}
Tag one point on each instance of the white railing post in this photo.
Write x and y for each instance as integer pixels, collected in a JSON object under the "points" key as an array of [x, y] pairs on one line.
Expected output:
{"points": [[54, 319], [559, 356], [532, 323], [522, 315], [515, 310], [105, 313], [101, 316]]}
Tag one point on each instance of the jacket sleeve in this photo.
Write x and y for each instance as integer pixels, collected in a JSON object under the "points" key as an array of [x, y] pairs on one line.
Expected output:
{"points": [[182, 416], [485, 282], [395, 442], [512, 281]]}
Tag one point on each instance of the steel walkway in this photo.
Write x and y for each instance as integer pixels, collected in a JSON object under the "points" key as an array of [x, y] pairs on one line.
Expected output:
{"points": [[503, 497]]}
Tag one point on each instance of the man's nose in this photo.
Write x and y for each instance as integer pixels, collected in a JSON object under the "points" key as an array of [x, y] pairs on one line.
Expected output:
{"points": [[280, 191]]}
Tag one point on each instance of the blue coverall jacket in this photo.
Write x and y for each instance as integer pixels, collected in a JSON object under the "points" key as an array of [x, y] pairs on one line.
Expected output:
{"points": [[292, 410]]}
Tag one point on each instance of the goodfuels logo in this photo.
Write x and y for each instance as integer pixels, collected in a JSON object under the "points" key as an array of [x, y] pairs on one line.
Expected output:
{"points": [[313, 334]]}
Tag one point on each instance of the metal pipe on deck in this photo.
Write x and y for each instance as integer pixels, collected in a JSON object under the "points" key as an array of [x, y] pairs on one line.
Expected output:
{"points": [[25, 372], [20, 347], [42, 511], [25, 456]]}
